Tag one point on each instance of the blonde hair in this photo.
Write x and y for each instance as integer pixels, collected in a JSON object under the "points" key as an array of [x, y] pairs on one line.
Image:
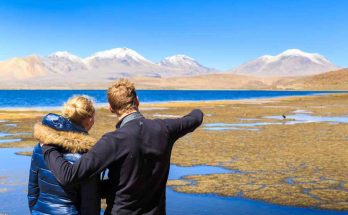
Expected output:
{"points": [[122, 96], [78, 108]]}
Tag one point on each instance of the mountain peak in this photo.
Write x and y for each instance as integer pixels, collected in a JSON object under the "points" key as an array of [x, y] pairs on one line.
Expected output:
{"points": [[180, 57], [266, 57], [293, 52], [179, 60], [292, 62], [64, 54], [185, 62], [119, 53], [317, 58]]}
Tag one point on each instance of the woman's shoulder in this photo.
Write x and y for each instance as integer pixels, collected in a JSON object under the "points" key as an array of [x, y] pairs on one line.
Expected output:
{"points": [[37, 149], [38, 157]]}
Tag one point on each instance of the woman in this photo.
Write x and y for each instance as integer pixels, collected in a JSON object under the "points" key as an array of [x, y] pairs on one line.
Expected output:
{"points": [[70, 133]]}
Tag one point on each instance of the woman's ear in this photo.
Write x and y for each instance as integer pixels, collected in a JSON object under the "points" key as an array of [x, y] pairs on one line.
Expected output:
{"points": [[88, 123], [137, 102]]}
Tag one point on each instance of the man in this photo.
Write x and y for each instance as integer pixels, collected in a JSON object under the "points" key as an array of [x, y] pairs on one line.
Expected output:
{"points": [[137, 155]]}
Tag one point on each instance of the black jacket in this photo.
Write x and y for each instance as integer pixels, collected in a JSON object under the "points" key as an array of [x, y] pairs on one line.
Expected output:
{"points": [[138, 158], [45, 194]]}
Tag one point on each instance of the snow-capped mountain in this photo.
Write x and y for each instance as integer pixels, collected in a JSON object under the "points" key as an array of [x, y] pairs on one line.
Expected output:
{"points": [[122, 56], [62, 62], [292, 62], [121, 62], [184, 62]]}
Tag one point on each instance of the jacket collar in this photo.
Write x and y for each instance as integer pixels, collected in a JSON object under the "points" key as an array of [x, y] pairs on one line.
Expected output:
{"points": [[74, 142], [128, 118], [58, 130]]}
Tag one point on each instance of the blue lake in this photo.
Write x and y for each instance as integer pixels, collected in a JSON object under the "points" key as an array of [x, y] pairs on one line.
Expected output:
{"points": [[56, 98]]}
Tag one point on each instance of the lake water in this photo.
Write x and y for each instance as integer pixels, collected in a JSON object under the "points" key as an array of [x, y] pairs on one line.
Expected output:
{"points": [[56, 98]]}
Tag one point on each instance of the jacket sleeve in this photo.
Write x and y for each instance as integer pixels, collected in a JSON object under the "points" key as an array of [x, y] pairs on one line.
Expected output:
{"points": [[179, 127], [90, 196], [103, 153], [33, 187]]}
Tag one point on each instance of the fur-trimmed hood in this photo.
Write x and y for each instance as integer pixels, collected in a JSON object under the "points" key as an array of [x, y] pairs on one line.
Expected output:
{"points": [[73, 142]]}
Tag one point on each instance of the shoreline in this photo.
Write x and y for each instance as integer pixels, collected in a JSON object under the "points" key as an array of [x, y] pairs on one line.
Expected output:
{"points": [[169, 89], [171, 102]]}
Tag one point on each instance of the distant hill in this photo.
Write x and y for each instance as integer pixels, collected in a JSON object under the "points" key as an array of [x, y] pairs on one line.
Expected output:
{"points": [[212, 81], [334, 80], [292, 62]]}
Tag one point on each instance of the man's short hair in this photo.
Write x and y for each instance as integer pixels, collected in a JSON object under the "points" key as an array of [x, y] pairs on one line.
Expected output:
{"points": [[122, 96]]}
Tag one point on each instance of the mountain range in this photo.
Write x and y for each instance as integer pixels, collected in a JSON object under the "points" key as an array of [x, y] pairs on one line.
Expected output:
{"points": [[104, 65], [65, 70]]}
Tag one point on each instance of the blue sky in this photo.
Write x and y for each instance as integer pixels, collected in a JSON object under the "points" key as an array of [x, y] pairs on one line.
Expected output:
{"points": [[220, 34]]}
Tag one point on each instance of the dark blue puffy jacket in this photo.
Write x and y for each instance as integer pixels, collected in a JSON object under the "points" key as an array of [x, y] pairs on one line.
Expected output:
{"points": [[45, 194]]}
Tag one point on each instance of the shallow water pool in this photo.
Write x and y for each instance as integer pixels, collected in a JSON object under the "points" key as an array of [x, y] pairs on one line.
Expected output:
{"points": [[17, 172], [302, 116], [10, 140]]}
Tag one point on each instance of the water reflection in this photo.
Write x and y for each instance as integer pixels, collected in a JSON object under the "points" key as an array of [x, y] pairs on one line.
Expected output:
{"points": [[177, 172], [307, 118], [11, 125], [302, 116], [4, 134], [10, 140], [15, 183], [235, 126]]}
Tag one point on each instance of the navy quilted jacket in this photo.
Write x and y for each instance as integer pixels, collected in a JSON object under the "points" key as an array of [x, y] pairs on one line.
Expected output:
{"points": [[45, 194]]}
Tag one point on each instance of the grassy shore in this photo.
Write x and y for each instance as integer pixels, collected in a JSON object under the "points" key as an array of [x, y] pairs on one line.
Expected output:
{"points": [[304, 164]]}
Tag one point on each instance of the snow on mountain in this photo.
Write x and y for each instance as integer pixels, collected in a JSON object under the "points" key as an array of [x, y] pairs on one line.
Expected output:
{"points": [[179, 61], [292, 62], [186, 63], [62, 62], [65, 55], [123, 56], [319, 59]]}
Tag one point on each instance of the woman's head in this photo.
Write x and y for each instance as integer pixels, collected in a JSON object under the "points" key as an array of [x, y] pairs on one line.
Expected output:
{"points": [[80, 110]]}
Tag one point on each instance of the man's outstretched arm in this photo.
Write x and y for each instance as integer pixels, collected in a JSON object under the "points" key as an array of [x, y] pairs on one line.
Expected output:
{"points": [[91, 163], [181, 126]]}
